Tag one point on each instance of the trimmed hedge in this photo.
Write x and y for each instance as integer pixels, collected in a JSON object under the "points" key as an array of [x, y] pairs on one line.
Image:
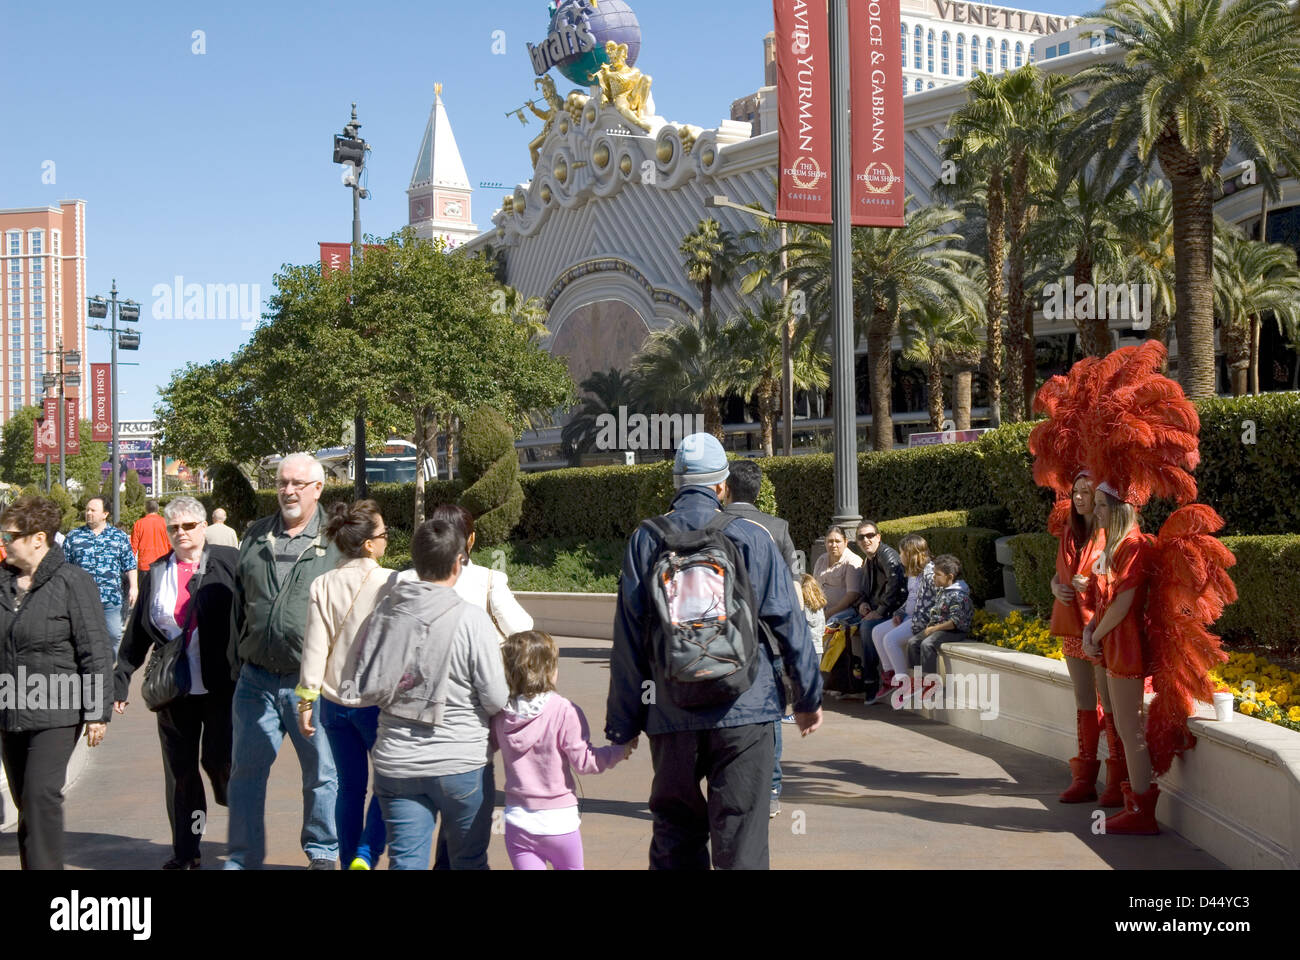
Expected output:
{"points": [[1267, 575], [1249, 470], [395, 499], [490, 467], [975, 547], [587, 503], [991, 516]]}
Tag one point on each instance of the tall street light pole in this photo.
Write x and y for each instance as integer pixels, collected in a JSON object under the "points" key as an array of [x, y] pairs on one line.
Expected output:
{"points": [[350, 149], [126, 310], [844, 408], [787, 327]]}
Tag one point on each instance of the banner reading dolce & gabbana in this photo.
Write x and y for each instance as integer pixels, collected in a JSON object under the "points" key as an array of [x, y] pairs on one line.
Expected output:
{"points": [[804, 110], [876, 78]]}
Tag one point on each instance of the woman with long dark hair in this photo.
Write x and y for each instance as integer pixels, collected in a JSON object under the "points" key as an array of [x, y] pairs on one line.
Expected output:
{"points": [[341, 603]]}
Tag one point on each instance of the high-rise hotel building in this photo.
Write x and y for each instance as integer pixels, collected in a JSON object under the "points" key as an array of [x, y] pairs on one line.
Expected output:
{"points": [[43, 265]]}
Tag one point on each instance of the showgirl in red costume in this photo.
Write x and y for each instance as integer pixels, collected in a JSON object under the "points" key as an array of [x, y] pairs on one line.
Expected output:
{"points": [[1152, 596]]}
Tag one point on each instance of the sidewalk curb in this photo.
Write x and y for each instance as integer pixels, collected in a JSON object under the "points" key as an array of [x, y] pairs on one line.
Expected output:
{"points": [[76, 766]]}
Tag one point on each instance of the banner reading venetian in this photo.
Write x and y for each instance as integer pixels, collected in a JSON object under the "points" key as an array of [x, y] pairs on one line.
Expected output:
{"points": [[876, 78], [804, 110]]}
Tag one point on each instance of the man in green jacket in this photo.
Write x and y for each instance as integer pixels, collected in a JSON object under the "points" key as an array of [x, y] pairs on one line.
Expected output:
{"points": [[281, 555]]}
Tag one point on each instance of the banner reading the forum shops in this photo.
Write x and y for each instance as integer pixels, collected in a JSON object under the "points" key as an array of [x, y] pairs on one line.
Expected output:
{"points": [[803, 64], [876, 79]]}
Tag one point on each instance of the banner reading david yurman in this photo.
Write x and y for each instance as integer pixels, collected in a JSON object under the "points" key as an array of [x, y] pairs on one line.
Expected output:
{"points": [[876, 79], [804, 110]]}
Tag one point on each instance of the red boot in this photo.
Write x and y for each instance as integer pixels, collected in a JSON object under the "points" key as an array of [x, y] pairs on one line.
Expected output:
{"points": [[1116, 768], [1083, 787], [1138, 817], [1084, 767]]}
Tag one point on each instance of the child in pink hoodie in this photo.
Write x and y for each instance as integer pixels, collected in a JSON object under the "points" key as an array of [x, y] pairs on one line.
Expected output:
{"points": [[543, 738]]}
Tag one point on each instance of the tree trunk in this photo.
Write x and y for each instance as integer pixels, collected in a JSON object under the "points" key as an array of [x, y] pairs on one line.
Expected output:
{"points": [[961, 389], [706, 299], [935, 388], [422, 435], [765, 395], [712, 416], [1193, 210], [1255, 325], [880, 366], [1094, 334], [1160, 331], [1015, 227], [993, 305], [1030, 364], [1235, 336]]}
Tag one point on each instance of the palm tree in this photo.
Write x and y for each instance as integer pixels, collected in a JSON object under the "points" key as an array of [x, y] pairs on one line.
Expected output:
{"points": [[1250, 279], [1150, 249], [712, 255], [754, 341], [894, 270], [1198, 79], [688, 363], [527, 312], [606, 392], [979, 157], [939, 336]]}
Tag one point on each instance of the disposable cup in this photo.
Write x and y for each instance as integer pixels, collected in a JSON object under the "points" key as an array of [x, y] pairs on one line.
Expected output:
{"points": [[1223, 707]]}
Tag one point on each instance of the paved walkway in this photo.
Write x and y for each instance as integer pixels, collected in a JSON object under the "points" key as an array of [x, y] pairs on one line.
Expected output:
{"points": [[872, 788]]}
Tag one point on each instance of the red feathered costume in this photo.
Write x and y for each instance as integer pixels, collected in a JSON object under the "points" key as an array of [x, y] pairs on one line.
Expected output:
{"points": [[1138, 436]]}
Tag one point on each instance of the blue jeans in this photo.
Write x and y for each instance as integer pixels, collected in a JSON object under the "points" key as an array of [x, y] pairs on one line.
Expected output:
{"points": [[113, 620], [411, 808], [352, 732], [776, 767], [265, 708]]}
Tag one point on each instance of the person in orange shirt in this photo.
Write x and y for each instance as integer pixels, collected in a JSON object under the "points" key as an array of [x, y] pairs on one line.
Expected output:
{"points": [[149, 536]]}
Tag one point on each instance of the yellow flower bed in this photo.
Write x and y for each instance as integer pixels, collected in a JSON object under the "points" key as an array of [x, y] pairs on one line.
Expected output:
{"points": [[1259, 688]]}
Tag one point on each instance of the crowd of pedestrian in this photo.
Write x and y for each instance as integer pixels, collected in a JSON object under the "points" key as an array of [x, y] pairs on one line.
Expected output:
{"points": [[396, 690]]}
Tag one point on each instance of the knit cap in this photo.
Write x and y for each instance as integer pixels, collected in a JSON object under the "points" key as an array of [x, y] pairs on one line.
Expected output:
{"points": [[700, 461]]}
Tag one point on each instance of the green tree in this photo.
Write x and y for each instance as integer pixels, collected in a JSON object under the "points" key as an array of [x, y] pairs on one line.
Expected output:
{"points": [[16, 463], [1150, 255], [712, 257], [688, 363], [754, 342], [195, 414], [1250, 280], [1199, 78], [939, 337]]}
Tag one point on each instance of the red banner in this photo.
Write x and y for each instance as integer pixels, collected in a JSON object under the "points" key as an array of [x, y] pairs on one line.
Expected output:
{"points": [[803, 62], [335, 256], [38, 451], [47, 430], [876, 81], [72, 426], [338, 256], [101, 403]]}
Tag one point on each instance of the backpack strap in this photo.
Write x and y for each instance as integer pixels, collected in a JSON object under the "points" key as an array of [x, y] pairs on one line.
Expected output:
{"points": [[720, 520]]}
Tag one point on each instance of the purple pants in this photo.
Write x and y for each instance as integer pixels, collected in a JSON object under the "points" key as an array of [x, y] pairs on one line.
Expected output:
{"points": [[529, 852]]}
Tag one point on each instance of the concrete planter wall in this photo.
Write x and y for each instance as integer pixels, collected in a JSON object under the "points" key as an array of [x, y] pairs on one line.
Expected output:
{"points": [[1236, 795], [572, 614]]}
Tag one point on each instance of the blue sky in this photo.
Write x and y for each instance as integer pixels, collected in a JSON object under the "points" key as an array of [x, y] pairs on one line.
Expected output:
{"points": [[216, 167]]}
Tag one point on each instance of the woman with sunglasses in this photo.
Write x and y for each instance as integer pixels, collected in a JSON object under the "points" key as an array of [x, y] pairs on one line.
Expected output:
{"points": [[187, 591], [51, 626], [341, 603]]}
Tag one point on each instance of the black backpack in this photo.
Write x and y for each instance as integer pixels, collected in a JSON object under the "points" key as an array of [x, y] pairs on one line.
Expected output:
{"points": [[703, 628]]}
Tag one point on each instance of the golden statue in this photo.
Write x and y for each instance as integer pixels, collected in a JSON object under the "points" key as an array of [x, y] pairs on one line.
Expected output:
{"points": [[627, 88], [546, 116]]}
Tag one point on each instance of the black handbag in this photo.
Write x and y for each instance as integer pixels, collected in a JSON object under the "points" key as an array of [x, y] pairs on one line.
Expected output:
{"points": [[167, 675]]}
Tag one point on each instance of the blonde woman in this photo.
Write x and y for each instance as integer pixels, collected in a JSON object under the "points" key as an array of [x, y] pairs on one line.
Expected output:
{"points": [[341, 603], [891, 637]]}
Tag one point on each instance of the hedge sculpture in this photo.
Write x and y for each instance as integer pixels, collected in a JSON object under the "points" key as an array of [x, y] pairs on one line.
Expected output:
{"points": [[489, 466]]}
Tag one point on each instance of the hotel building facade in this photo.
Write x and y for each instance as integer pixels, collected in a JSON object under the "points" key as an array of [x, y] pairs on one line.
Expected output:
{"points": [[43, 263]]}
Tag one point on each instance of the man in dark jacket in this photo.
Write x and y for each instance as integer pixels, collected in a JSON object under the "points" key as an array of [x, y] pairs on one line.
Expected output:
{"points": [[882, 585], [281, 555], [743, 485], [730, 745]]}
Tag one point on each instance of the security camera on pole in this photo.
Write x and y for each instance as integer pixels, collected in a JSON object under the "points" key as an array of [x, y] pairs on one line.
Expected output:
{"points": [[351, 150]]}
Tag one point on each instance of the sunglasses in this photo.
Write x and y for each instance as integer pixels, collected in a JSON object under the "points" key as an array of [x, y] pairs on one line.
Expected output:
{"points": [[9, 536], [187, 527], [868, 536]]}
